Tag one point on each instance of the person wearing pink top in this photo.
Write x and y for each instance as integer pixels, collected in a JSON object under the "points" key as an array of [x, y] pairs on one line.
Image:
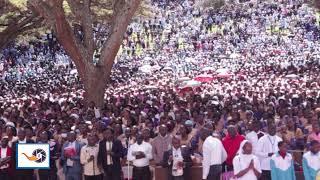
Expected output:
{"points": [[315, 134]]}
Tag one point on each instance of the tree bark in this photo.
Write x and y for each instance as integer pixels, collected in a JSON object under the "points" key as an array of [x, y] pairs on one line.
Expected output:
{"points": [[94, 82]]}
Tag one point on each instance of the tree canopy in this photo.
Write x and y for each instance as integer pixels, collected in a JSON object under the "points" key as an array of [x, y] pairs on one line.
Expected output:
{"points": [[16, 18]]}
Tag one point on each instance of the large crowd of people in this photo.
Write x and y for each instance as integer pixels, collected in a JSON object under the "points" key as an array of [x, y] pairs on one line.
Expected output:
{"points": [[234, 90]]}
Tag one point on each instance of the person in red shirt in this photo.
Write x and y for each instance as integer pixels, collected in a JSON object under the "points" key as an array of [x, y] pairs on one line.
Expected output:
{"points": [[231, 144], [5, 159]]}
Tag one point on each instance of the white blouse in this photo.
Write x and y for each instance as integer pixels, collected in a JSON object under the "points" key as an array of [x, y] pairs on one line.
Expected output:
{"points": [[241, 163]]}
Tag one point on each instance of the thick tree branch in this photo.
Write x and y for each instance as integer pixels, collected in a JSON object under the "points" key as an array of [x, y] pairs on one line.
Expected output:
{"points": [[123, 13], [53, 11], [87, 24], [81, 10], [14, 29]]}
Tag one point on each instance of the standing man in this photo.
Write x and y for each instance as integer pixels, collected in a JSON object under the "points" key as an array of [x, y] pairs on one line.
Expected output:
{"points": [[89, 159], [177, 160], [110, 152], [231, 144], [70, 156], [311, 161], [254, 135], [161, 144], [146, 135], [83, 128], [214, 155], [140, 153], [126, 140], [21, 174], [267, 146], [5, 159], [49, 174]]}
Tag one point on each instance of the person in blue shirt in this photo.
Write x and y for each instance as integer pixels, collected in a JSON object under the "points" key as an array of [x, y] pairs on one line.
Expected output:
{"points": [[282, 164], [311, 161]]}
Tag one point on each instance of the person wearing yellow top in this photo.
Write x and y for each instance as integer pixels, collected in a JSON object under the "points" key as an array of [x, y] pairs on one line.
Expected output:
{"points": [[89, 159]]}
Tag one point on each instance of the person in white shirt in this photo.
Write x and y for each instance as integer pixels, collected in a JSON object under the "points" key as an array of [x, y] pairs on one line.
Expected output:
{"points": [[110, 153], [177, 160], [246, 165], [70, 155], [89, 159], [253, 135], [267, 146], [140, 153], [214, 155], [83, 128]]}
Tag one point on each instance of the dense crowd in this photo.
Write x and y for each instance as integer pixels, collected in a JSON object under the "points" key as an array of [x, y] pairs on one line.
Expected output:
{"points": [[234, 90]]}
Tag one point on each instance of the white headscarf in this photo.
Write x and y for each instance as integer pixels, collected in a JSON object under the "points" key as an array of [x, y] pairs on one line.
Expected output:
{"points": [[241, 153]]}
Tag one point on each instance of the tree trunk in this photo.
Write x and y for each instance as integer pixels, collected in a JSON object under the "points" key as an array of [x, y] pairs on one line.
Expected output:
{"points": [[94, 81], [93, 77]]}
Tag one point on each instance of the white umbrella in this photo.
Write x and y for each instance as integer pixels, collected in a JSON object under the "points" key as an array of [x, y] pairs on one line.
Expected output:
{"points": [[147, 59], [156, 67], [189, 59], [235, 55], [191, 83], [224, 75], [204, 78], [151, 87], [292, 76], [222, 70], [73, 71], [222, 56], [208, 69], [167, 69], [183, 79]]}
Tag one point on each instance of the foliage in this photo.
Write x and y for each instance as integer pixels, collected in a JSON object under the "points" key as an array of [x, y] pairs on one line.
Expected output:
{"points": [[16, 18]]}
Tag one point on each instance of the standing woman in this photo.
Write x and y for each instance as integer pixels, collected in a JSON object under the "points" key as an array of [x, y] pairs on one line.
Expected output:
{"points": [[245, 164], [282, 164]]}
